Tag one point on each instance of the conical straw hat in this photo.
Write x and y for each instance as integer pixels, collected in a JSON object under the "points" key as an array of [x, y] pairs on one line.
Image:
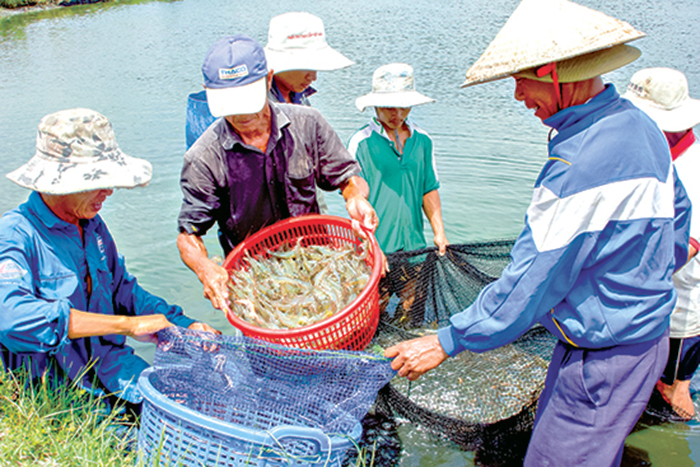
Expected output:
{"points": [[545, 31]]}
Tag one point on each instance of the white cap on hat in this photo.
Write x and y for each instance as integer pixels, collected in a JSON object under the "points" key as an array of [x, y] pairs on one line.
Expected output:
{"points": [[297, 41], [663, 94], [392, 86]]}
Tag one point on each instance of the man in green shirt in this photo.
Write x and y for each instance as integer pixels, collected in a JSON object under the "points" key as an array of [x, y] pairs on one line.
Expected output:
{"points": [[397, 162]]}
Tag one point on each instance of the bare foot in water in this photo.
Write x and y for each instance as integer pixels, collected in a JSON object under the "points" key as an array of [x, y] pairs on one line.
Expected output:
{"points": [[678, 396]]}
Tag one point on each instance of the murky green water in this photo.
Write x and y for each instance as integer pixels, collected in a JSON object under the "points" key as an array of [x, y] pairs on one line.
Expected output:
{"points": [[137, 61]]}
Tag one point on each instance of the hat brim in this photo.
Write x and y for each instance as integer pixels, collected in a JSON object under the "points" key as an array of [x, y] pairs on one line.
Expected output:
{"points": [[45, 175], [238, 100], [322, 59], [589, 65], [392, 99], [546, 31], [683, 117]]}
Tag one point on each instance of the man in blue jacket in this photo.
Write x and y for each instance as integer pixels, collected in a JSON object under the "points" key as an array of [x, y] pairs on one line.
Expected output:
{"points": [[607, 226], [67, 301]]}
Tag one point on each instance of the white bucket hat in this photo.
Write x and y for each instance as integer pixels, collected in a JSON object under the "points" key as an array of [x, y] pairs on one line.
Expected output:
{"points": [[297, 41], [583, 43], [76, 151], [392, 86], [663, 94]]}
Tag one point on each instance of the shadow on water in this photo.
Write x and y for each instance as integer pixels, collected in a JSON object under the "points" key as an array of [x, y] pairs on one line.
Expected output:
{"points": [[504, 444]]}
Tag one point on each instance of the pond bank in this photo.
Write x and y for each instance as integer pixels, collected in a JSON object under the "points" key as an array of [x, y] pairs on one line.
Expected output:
{"points": [[4, 12]]}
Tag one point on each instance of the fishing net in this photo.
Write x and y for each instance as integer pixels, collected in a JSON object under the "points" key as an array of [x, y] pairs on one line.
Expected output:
{"points": [[260, 385], [473, 399]]}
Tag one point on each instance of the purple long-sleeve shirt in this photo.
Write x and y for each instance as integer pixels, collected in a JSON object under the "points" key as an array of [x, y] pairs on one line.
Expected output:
{"points": [[243, 189]]}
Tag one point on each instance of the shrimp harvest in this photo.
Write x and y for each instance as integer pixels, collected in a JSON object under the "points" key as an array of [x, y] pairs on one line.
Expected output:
{"points": [[309, 282], [297, 286]]}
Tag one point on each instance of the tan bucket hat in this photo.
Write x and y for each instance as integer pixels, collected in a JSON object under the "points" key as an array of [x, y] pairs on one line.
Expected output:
{"points": [[297, 41], [584, 43], [76, 151], [393, 86], [663, 94]]}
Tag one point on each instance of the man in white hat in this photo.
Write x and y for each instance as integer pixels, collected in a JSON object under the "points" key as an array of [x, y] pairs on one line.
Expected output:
{"points": [[296, 50], [259, 164], [663, 94], [67, 301], [398, 162], [595, 260]]}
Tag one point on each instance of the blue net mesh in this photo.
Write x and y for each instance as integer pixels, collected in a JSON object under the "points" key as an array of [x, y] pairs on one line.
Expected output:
{"points": [[261, 385]]}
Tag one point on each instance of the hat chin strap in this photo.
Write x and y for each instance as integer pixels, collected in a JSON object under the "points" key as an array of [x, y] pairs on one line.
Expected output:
{"points": [[551, 68]]}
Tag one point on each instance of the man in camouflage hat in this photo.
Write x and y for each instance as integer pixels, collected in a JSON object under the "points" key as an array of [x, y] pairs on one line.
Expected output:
{"points": [[607, 226], [67, 301]]}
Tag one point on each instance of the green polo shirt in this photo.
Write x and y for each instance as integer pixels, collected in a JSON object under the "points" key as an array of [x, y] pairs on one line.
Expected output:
{"points": [[397, 183]]}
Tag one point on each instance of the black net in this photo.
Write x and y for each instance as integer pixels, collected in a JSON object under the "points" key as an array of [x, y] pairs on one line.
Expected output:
{"points": [[473, 399]]}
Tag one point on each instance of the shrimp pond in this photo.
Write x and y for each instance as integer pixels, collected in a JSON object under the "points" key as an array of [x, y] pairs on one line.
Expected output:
{"points": [[136, 62]]}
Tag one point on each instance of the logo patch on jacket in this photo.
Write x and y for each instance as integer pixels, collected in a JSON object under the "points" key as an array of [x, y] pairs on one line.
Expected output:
{"points": [[10, 270]]}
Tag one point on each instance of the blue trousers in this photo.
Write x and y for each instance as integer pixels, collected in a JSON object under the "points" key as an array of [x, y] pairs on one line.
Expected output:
{"points": [[591, 401]]}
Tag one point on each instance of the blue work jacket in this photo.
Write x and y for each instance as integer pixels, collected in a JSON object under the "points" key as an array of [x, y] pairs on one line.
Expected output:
{"points": [[43, 269], [607, 226]]}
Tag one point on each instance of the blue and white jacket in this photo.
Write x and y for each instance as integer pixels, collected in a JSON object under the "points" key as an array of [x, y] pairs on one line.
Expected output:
{"points": [[595, 259]]}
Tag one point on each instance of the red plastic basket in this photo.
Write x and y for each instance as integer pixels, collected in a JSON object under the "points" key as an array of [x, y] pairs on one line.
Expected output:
{"points": [[351, 328]]}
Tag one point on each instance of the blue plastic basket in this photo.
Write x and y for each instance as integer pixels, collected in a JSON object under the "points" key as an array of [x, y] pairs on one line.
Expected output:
{"points": [[172, 434]]}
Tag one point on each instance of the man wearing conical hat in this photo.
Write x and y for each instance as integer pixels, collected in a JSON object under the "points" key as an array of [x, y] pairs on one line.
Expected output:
{"points": [[67, 301], [606, 228]]}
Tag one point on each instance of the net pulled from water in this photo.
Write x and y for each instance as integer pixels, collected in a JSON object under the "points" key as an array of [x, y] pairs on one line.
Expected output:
{"points": [[261, 385], [471, 396]]}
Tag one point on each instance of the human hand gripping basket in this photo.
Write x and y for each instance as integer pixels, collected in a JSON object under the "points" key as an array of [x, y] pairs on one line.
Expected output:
{"points": [[351, 328]]}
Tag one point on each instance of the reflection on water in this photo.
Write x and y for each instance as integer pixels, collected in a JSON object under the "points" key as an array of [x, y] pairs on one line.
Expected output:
{"points": [[136, 61]]}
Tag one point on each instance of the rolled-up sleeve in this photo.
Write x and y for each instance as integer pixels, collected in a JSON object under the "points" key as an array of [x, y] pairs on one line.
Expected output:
{"points": [[201, 200]]}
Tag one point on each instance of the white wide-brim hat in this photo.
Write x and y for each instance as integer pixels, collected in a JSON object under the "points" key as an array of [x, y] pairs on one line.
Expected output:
{"points": [[663, 94], [392, 86], [297, 41], [582, 42], [75, 152]]}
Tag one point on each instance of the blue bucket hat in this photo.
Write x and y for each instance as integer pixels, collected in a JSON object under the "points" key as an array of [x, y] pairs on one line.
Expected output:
{"points": [[234, 76]]}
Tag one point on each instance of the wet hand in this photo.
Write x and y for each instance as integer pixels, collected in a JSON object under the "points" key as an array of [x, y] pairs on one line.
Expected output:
{"points": [[441, 242], [414, 358], [144, 328], [215, 283], [362, 214], [199, 326]]}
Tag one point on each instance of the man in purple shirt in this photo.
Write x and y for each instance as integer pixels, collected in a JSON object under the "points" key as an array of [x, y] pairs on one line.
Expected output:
{"points": [[259, 164]]}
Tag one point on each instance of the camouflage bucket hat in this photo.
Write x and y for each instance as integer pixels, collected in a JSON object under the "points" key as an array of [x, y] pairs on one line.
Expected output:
{"points": [[76, 151]]}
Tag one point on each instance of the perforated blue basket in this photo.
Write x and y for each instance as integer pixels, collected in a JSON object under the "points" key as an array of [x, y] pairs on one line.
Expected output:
{"points": [[172, 434]]}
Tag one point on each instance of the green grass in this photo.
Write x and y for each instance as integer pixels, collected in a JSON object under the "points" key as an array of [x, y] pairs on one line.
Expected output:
{"points": [[43, 427]]}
